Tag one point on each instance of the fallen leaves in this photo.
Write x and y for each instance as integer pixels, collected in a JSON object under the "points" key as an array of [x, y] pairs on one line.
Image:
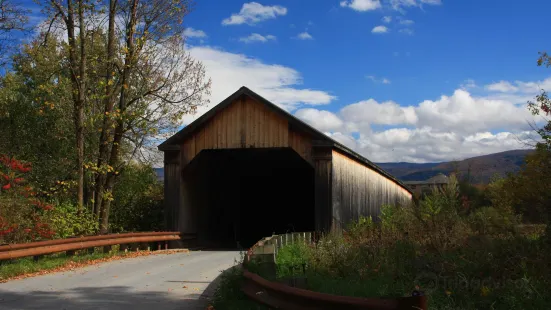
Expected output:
{"points": [[73, 265]]}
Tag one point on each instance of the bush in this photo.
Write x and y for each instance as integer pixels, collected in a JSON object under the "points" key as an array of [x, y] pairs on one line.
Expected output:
{"points": [[491, 221], [67, 221], [21, 209], [138, 200]]}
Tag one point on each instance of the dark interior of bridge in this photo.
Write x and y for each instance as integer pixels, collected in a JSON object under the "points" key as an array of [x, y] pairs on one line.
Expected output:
{"points": [[243, 195]]}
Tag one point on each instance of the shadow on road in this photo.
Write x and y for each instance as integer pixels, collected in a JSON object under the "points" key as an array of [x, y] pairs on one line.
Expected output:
{"points": [[112, 297]]}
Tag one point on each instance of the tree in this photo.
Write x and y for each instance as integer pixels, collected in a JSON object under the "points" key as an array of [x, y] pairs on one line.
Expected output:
{"points": [[540, 163], [12, 18], [147, 83]]}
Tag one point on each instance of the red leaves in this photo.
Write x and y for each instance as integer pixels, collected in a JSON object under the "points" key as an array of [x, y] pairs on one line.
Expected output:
{"points": [[12, 184]]}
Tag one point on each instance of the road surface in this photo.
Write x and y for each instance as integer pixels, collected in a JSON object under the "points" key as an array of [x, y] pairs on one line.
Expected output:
{"points": [[173, 281]]}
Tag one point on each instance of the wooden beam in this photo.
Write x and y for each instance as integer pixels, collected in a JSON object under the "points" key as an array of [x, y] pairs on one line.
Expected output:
{"points": [[322, 158]]}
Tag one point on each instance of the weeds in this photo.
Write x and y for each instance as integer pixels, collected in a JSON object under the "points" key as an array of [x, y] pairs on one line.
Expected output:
{"points": [[460, 258]]}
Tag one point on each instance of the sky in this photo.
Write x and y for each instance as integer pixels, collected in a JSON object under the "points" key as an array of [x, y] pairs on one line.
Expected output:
{"points": [[394, 80]]}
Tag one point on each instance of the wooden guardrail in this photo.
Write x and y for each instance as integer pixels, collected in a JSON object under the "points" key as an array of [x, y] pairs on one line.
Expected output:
{"points": [[12, 251], [281, 296]]}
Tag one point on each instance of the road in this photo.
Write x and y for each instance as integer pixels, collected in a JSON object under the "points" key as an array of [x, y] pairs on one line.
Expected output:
{"points": [[173, 281]]}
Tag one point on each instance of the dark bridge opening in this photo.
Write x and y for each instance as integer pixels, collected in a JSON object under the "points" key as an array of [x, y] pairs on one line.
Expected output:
{"points": [[243, 195]]}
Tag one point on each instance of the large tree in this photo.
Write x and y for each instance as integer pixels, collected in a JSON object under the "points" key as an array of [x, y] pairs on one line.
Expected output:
{"points": [[13, 18], [144, 84]]}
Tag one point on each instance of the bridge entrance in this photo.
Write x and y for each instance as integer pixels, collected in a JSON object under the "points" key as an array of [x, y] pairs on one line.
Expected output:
{"points": [[237, 196]]}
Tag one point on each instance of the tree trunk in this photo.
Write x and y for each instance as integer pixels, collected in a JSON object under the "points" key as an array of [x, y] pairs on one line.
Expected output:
{"points": [[108, 102], [78, 98], [119, 130]]}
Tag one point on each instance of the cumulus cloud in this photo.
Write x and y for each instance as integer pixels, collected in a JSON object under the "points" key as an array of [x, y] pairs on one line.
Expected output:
{"points": [[519, 86], [379, 29], [194, 33], [254, 12], [502, 86], [361, 5], [377, 80], [255, 37], [304, 36], [407, 31], [400, 5], [321, 120], [387, 19], [447, 128], [277, 83]]}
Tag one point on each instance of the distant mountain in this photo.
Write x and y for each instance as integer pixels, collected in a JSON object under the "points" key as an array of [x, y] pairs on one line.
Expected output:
{"points": [[160, 173], [482, 168]]}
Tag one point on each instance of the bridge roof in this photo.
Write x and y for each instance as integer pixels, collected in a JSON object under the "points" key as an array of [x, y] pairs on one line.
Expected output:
{"points": [[173, 143]]}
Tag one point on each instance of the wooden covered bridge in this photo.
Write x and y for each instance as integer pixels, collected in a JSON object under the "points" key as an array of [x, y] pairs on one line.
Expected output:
{"points": [[247, 168]]}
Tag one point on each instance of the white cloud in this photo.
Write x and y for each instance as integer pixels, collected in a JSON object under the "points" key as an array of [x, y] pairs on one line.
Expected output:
{"points": [[387, 19], [277, 83], [407, 22], [361, 5], [376, 80], [194, 33], [502, 86], [255, 37], [373, 112], [407, 31], [379, 29], [468, 84], [304, 36], [400, 5], [321, 120], [520, 87], [254, 12], [448, 128]]}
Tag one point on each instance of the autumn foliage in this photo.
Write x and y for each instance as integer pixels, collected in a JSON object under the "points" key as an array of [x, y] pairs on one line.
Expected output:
{"points": [[21, 209]]}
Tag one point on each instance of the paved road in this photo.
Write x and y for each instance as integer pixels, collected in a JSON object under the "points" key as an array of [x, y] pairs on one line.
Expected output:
{"points": [[150, 282]]}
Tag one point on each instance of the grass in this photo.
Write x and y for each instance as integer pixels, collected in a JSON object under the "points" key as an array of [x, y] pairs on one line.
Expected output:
{"points": [[24, 267], [228, 294], [495, 274]]}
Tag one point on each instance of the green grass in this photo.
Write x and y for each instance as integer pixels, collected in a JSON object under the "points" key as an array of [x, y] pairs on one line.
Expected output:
{"points": [[228, 295], [23, 266], [501, 274]]}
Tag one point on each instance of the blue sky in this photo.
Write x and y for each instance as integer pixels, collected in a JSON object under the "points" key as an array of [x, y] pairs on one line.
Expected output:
{"points": [[395, 80], [487, 41]]}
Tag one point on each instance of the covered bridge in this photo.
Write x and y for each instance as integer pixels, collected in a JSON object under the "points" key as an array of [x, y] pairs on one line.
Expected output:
{"points": [[247, 169]]}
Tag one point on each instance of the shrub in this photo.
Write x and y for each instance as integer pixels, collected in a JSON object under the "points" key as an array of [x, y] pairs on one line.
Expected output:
{"points": [[138, 200], [21, 209], [491, 221], [67, 221]]}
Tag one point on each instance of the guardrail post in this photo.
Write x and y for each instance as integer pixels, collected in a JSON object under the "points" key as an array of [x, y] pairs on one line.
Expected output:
{"points": [[166, 245], [107, 248], [123, 248], [70, 253], [37, 257]]}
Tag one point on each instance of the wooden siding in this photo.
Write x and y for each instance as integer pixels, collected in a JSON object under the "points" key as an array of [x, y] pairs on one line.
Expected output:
{"points": [[245, 123], [358, 190]]}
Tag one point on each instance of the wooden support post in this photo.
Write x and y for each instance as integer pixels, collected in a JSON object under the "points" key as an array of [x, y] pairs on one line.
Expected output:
{"points": [[322, 156], [172, 187], [70, 253], [123, 248], [166, 245], [106, 249], [158, 246]]}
